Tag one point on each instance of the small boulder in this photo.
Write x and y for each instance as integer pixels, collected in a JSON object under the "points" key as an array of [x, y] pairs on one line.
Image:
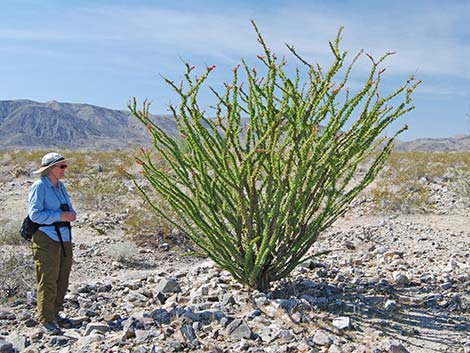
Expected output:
{"points": [[238, 329]]}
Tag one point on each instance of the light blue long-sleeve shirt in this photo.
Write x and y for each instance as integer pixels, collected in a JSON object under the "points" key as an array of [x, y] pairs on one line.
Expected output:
{"points": [[44, 202]]}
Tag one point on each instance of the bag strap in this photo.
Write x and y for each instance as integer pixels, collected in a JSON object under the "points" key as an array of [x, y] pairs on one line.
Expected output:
{"points": [[57, 226], [59, 235]]}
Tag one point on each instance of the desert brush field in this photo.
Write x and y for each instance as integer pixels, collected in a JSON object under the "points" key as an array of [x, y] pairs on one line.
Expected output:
{"points": [[395, 276]]}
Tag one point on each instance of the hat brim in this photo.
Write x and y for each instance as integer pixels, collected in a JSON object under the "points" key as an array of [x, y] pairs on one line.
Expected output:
{"points": [[42, 169]]}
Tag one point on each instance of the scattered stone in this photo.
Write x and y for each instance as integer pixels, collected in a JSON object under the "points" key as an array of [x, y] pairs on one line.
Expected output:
{"points": [[342, 323], [390, 255], [390, 306], [451, 266], [228, 299], [401, 279], [285, 304], [349, 245], [466, 347], [6, 347], [17, 340], [30, 322], [188, 333], [161, 315], [5, 315], [77, 321], [446, 285], [59, 341], [238, 329], [252, 314], [335, 349], [393, 347], [96, 326], [168, 285], [427, 278], [159, 303], [322, 339], [381, 250]]}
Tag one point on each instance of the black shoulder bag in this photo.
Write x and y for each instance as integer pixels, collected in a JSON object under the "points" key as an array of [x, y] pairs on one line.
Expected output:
{"points": [[28, 228]]}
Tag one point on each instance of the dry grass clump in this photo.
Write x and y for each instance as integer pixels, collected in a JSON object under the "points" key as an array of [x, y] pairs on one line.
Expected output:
{"points": [[9, 232], [17, 274]]}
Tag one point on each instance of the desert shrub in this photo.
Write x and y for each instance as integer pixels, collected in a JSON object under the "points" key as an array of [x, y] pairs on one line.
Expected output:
{"points": [[122, 251], [17, 274], [98, 190], [429, 165], [409, 197], [17, 164], [9, 232], [255, 193], [24, 157], [5, 158], [103, 161], [5, 177], [141, 222], [94, 180], [461, 186], [405, 183]]}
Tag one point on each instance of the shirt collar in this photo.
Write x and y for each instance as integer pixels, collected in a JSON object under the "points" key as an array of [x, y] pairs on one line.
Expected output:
{"points": [[45, 179]]}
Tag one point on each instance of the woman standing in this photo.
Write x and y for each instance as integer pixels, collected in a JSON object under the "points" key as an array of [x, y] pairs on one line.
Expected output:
{"points": [[49, 205]]}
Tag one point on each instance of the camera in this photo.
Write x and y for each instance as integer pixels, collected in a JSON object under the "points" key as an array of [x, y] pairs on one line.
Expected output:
{"points": [[64, 207]]}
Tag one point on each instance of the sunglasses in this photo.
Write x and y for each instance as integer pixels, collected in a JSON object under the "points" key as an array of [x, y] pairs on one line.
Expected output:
{"points": [[63, 166]]}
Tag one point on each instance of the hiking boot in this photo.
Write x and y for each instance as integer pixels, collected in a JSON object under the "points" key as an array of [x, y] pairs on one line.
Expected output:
{"points": [[51, 328]]}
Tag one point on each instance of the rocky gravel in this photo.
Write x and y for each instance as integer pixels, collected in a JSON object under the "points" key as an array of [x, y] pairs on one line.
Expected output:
{"points": [[390, 284]]}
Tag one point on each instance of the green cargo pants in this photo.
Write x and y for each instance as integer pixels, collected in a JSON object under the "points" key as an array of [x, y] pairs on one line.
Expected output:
{"points": [[52, 274]]}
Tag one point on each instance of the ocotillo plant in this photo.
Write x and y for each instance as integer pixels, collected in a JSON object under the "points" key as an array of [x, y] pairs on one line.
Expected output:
{"points": [[257, 182]]}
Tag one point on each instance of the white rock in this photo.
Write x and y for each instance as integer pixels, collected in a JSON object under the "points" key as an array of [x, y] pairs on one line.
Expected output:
{"points": [[96, 326], [394, 347], [342, 322], [451, 266], [335, 349], [381, 250], [322, 339]]}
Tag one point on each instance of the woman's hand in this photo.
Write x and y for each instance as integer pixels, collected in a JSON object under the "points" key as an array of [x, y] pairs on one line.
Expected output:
{"points": [[68, 216]]}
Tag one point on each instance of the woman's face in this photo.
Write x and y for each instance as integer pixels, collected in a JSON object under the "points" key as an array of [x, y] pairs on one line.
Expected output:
{"points": [[58, 170]]}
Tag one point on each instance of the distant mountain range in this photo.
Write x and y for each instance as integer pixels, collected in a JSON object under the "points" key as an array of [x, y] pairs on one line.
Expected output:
{"points": [[455, 143], [29, 124]]}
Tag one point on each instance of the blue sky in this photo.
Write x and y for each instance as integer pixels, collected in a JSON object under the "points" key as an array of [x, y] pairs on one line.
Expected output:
{"points": [[105, 52]]}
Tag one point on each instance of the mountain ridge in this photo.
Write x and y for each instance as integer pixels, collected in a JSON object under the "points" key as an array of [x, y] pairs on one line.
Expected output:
{"points": [[30, 124], [458, 143], [27, 124]]}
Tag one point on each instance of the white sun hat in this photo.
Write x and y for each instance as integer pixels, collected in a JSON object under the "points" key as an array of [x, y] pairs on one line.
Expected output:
{"points": [[50, 160]]}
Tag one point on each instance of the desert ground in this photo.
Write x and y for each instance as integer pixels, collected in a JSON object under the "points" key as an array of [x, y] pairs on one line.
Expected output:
{"points": [[396, 280]]}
